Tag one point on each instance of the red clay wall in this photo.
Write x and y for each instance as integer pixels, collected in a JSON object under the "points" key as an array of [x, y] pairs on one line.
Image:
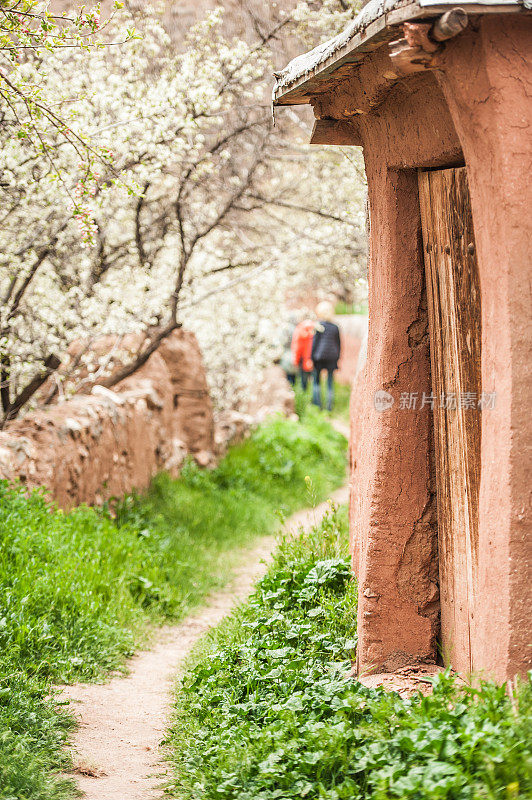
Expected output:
{"points": [[96, 446], [487, 81], [476, 108], [393, 513]]}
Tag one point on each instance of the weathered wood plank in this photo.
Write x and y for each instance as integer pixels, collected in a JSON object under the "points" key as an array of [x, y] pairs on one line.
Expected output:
{"points": [[453, 293]]}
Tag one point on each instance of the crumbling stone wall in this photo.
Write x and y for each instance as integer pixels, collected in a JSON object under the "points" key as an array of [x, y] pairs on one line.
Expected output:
{"points": [[104, 444]]}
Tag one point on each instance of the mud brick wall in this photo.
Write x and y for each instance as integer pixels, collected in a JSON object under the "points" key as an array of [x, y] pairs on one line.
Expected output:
{"points": [[96, 446], [471, 111]]}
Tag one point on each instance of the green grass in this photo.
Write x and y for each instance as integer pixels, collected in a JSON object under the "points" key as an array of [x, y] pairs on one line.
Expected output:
{"points": [[351, 308], [302, 400], [342, 396], [268, 709], [79, 590]]}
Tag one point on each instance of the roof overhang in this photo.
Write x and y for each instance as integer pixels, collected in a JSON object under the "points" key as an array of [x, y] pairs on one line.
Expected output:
{"points": [[309, 74]]}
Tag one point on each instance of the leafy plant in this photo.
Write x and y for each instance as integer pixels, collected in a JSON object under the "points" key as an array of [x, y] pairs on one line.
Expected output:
{"points": [[78, 589], [269, 710], [351, 308], [342, 399], [301, 400]]}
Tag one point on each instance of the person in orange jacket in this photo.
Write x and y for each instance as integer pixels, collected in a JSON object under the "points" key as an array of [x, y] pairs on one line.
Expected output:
{"points": [[302, 348]]}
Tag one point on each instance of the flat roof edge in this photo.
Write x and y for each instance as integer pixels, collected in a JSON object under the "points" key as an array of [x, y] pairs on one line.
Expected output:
{"points": [[302, 75]]}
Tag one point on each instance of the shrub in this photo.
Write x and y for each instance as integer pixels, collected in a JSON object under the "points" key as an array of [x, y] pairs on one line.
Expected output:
{"points": [[268, 709], [78, 589]]}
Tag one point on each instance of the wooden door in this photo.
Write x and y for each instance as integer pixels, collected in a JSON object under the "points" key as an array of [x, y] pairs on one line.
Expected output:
{"points": [[453, 295]]}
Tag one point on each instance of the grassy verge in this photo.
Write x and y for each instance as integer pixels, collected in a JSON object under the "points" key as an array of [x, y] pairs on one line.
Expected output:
{"points": [[351, 308], [342, 397], [268, 710], [78, 589]]}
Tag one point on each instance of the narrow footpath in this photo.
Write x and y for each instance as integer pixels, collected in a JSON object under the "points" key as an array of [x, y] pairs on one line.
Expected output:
{"points": [[116, 747]]}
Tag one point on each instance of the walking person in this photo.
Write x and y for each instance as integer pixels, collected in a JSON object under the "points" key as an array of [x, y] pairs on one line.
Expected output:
{"points": [[325, 353], [301, 350]]}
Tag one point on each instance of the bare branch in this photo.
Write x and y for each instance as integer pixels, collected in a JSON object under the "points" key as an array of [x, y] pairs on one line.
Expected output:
{"points": [[27, 280], [141, 357], [5, 394], [300, 207], [141, 251], [229, 285], [50, 365]]}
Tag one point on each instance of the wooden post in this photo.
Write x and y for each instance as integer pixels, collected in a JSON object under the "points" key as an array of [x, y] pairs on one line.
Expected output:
{"points": [[449, 25]]}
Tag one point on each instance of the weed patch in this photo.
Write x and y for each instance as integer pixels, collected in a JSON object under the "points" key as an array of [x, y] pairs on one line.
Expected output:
{"points": [[78, 589], [342, 398], [268, 709], [342, 393]]}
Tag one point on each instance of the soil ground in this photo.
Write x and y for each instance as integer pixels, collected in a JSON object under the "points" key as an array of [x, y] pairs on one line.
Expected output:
{"points": [[116, 746]]}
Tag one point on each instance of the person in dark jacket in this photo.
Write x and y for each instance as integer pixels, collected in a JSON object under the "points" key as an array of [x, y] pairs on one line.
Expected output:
{"points": [[325, 353]]}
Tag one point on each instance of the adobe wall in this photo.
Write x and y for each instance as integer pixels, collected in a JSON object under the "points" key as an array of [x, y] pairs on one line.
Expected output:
{"points": [[105, 444], [393, 511], [356, 418], [487, 81], [474, 108]]}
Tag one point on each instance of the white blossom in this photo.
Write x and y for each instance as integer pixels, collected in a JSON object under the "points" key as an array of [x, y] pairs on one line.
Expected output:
{"points": [[188, 177]]}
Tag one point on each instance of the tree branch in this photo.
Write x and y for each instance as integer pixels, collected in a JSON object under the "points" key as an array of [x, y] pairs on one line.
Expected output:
{"points": [[5, 394], [230, 284], [140, 359], [50, 365], [141, 250], [298, 207], [26, 282]]}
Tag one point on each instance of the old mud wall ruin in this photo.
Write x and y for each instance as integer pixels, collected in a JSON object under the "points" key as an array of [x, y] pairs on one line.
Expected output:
{"points": [[104, 444]]}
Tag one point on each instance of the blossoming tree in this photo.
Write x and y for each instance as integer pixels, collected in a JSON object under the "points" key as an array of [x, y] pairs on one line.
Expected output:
{"points": [[190, 208]]}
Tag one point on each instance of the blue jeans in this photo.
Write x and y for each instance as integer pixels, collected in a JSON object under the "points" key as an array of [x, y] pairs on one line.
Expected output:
{"points": [[316, 389], [305, 378]]}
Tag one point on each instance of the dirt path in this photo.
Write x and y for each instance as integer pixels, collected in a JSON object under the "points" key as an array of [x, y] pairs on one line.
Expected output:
{"points": [[116, 747], [341, 426]]}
